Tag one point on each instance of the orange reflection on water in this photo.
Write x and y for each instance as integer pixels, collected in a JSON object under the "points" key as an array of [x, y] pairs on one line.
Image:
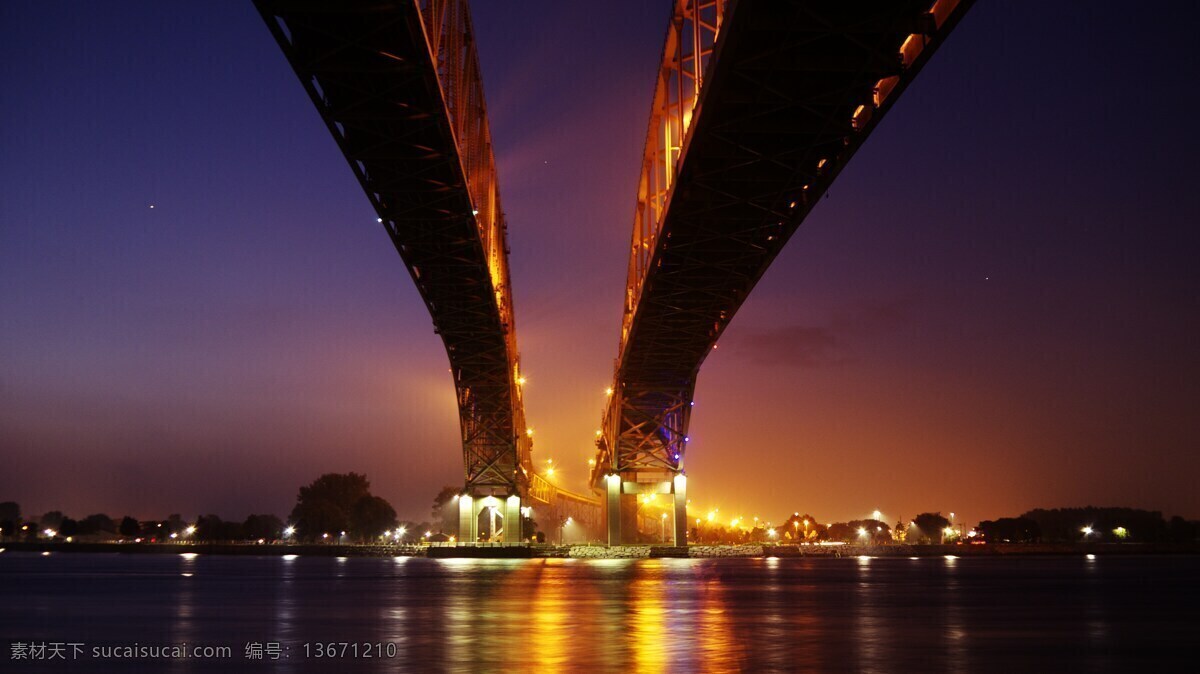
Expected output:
{"points": [[649, 625], [719, 646], [549, 626]]}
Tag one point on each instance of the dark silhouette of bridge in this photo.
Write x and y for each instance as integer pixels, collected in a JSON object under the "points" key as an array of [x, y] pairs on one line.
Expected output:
{"points": [[758, 106]]}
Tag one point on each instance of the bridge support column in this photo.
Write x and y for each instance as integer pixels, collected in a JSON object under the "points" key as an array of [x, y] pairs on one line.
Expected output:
{"points": [[612, 508], [680, 514], [468, 520], [512, 520]]}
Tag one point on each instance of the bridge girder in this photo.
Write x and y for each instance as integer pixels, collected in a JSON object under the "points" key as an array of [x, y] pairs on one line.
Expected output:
{"points": [[398, 85], [758, 106]]}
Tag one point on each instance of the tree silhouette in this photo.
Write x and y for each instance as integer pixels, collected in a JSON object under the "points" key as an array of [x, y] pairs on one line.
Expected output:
{"points": [[931, 526], [337, 502]]}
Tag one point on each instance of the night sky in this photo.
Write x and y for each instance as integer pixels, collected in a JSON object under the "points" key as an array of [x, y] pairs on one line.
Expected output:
{"points": [[995, 309]]}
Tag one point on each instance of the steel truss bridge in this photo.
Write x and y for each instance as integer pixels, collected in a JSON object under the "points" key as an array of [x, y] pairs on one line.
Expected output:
{"points": [[758, 106]]}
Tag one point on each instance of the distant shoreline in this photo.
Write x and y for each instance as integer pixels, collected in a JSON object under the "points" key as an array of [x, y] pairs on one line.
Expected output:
{"points": [[583, 551]]}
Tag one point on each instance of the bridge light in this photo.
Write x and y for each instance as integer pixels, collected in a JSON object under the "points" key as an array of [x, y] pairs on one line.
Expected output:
{"points": [[529, 432], [599, 432], [474, 211], [608, 391], [550, 472], [877, 515], [591, 462], [686, 439], [521, 380]]}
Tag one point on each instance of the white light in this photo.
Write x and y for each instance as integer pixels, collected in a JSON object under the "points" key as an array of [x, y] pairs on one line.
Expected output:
{"points": [[1091, 556], [474, 211], [190, 530], [378, 219], [289, 531], [188, 555]]}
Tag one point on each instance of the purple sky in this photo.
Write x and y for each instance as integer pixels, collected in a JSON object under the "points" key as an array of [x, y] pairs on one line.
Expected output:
{"points": [[996, 309]]}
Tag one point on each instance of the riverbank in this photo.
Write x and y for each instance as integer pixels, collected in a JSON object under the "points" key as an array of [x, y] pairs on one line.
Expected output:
{"points": [[611, 552]]}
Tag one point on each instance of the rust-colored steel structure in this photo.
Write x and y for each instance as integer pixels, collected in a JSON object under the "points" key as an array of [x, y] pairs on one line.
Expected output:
{"points": [[398, 84], [758, 106]]}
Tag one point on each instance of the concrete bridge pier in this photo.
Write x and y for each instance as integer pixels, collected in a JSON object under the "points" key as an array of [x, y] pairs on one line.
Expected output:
{"points": [[620, 504], [471, 507]]}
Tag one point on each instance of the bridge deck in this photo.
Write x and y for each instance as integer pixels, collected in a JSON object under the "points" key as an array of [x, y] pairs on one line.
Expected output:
{"points": [[397, 85]]}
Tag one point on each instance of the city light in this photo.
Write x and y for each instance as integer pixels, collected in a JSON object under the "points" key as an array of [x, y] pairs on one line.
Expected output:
{"points": [[50, 533], [290, 531], [862, 532], [190, 530], [1087, 531]]}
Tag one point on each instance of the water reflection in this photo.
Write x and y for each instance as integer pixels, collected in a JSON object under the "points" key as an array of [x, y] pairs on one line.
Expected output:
{"points": [[878, 614]]}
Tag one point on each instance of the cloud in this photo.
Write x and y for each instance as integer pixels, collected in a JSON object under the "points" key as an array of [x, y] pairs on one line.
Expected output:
{"points": [[794, 346], [812, 346]]}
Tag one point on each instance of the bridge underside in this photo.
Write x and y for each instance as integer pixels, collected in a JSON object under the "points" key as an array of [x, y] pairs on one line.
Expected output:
{"points": [[397, 85], [790, 91]]}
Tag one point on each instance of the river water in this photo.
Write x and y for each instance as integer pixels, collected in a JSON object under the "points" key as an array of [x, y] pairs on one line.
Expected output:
{"points": [[1070, 613]]}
